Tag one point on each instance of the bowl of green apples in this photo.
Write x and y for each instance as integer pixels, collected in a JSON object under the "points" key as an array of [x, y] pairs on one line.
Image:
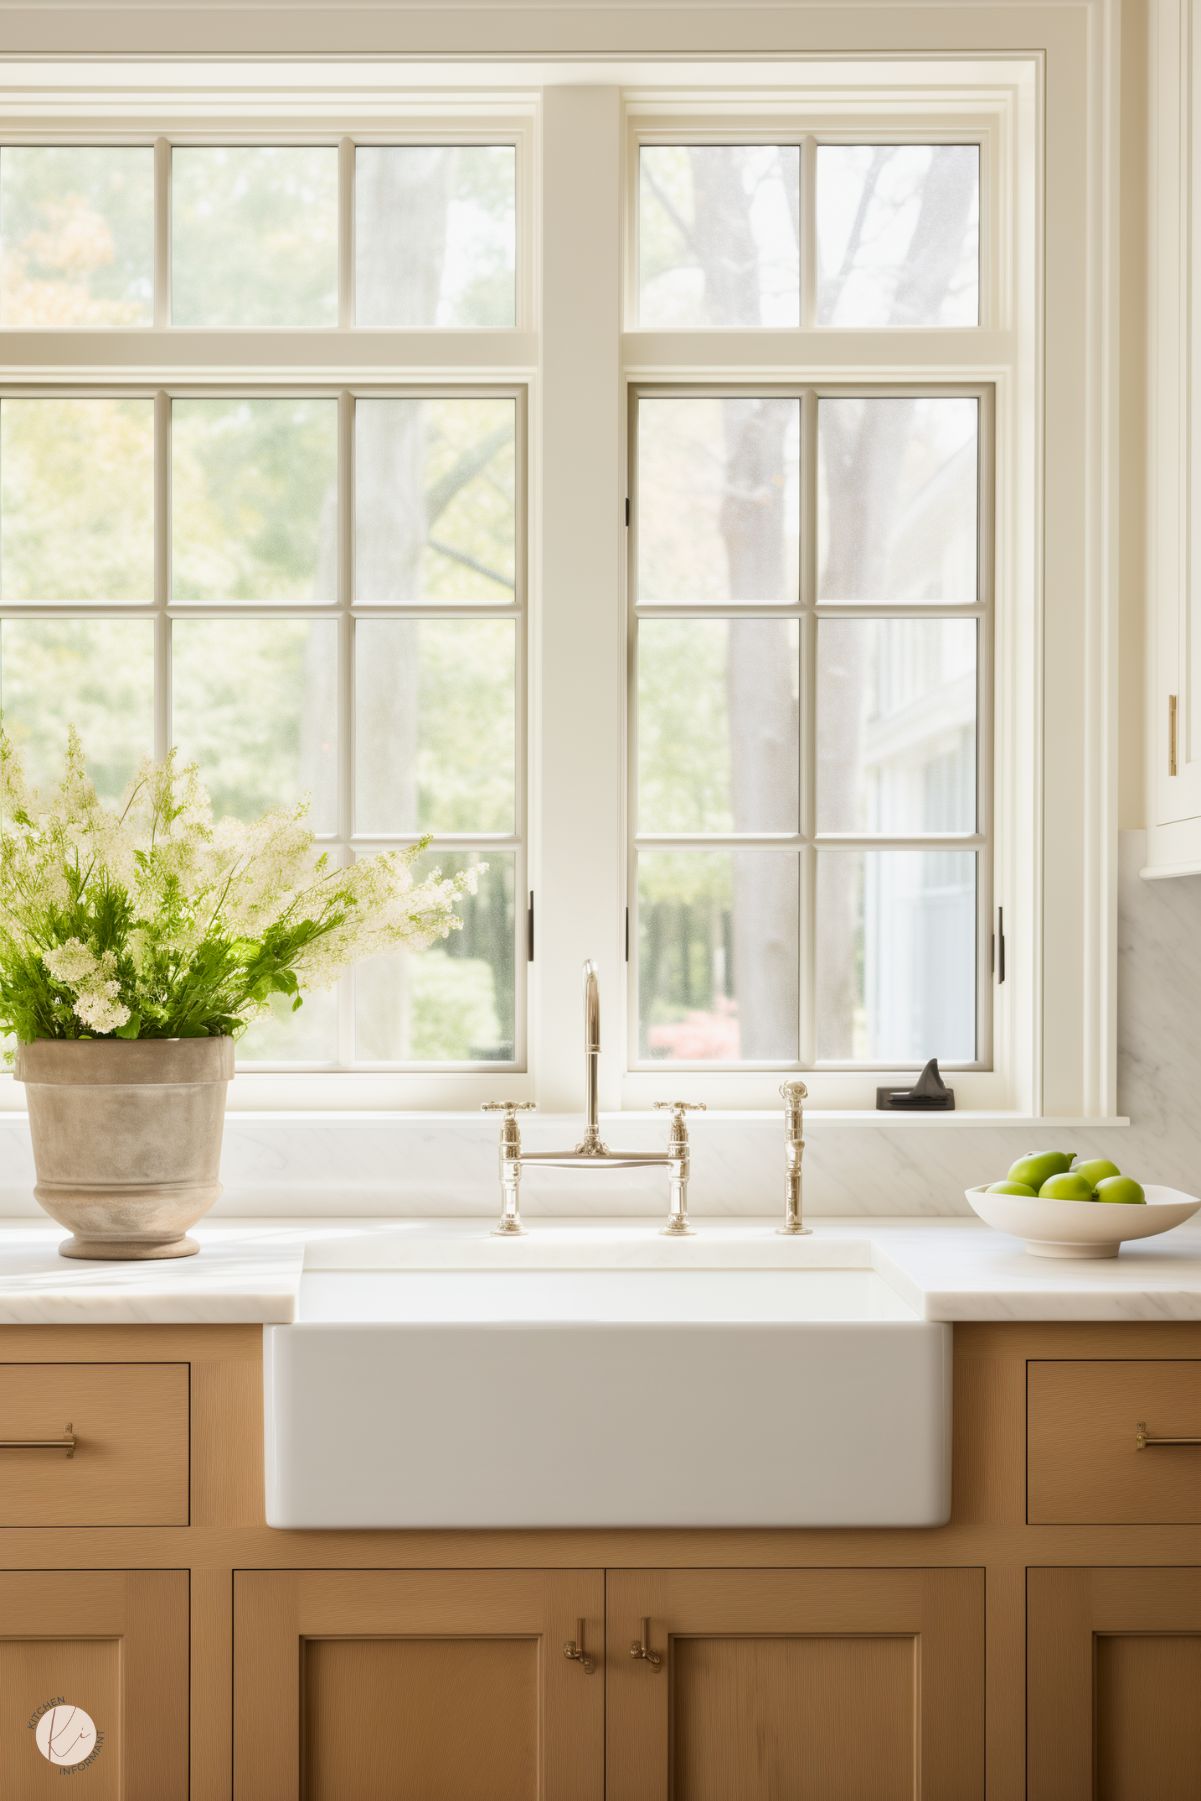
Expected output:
{"points": [[1066, 1206]]}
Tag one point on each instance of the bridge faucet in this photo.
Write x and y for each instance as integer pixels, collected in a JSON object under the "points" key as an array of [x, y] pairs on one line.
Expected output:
{"points": [[591, 1152]]}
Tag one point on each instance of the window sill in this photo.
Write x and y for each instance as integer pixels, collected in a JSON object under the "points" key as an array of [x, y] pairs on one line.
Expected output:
{"points": [[343, 1118]]}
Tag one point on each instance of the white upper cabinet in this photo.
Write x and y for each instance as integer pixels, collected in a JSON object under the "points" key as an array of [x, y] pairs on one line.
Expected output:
{"points": [[1173, 730]]}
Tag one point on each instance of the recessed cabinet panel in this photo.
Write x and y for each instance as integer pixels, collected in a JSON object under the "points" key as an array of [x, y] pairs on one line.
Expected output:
{"points": [[70, 1689], [788, 1711], [420, 1716], [815, 1685], [448, 1685], [1113, 1678], [94, 1684], [1139, 1675], [1087, 1462]]}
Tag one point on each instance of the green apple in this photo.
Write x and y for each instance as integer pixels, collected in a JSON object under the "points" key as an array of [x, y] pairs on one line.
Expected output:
{"points": [[1096, 1169], [1035, 1169], [1022, 1188], [1122, 1189], [1066, 1187]]}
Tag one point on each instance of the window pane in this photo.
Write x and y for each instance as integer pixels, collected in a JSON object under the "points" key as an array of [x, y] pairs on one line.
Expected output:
{"points": [[897, 508], [718, 235], [94, 674], [255, 705], [717, 955], [254, 236], [454, 1002], [435, 235], [254, 506], [896, 956], [76, 235], [435, 725], [717, 725], [310, 1035], [76, 500], [896, 725], [718, 500], [898, 234], [434, 500]]}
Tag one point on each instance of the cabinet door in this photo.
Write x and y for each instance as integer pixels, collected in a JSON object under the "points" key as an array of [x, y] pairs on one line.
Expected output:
{"points": [[817, 1685], [94, 1684], [1173, 738], [451, 1685], [1113, 1678]]}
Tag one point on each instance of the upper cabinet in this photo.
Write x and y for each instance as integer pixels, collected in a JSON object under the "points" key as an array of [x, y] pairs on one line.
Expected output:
{"points": [[1173, 727]]}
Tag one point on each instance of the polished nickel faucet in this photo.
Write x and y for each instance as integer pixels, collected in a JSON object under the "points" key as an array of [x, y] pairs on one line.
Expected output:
{"points": [[591, 1152]]}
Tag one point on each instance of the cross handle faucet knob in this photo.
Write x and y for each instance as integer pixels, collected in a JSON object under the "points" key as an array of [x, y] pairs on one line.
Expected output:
{"points": [[681, 1107], [509, 1108]]}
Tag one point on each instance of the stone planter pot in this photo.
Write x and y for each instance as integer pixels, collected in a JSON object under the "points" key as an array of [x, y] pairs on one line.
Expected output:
{"points": [[127, 1139]]}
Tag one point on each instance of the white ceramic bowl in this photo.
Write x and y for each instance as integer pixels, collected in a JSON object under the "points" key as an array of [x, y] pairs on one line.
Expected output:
{"points": [[1081, 1228]]}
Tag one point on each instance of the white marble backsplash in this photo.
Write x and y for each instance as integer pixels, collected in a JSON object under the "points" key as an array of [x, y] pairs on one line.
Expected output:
{"points": [[381, 1165]]}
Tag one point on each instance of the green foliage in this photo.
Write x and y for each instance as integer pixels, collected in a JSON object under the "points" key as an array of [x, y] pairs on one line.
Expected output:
{"points": [[152, 921]]}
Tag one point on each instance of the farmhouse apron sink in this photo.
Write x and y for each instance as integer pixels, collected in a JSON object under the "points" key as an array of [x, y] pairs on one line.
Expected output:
{"points": [[620, 1392]]}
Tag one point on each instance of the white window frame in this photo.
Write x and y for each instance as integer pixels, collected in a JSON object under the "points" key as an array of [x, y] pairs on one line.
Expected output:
{"points": [[1050, 357], [340, 363], [991, 360]]}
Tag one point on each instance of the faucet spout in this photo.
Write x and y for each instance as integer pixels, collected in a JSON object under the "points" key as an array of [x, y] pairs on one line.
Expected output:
{"points": [[591, 1152], [590, 1145]]}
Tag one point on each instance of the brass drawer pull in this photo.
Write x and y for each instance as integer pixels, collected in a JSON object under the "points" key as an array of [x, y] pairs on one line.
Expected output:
{"points": [[1143, 1440], [574, 1650], [640, 1648], [66, 1444]]}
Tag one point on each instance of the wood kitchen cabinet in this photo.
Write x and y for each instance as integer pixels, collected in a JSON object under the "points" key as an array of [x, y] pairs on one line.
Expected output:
{"points": [[1114, 1684], [451, 1685], [94, 1683], [225, 1660], [817, 1685]]}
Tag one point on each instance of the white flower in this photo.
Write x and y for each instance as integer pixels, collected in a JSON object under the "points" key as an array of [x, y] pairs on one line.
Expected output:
{"points": [[71, 962], [100, 1007]]}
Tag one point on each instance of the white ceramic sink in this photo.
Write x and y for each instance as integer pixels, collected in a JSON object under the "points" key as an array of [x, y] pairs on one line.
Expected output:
{"points": [[606, 1382]]}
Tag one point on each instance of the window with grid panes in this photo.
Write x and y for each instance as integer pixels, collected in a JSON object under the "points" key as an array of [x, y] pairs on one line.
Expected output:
{"points": [[311, 588], [810, 598]]}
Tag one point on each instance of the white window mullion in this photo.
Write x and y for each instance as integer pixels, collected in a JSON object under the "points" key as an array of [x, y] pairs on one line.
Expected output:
{"points": [[807, 684], [581, 674], [162, 232], [162, 574], [345, 700], [346, 226]]}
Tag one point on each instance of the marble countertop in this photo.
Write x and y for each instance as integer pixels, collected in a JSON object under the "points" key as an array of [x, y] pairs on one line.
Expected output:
{"points": [[943, 1268]]}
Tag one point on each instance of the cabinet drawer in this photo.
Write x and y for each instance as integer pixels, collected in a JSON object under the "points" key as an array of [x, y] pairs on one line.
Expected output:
{"points": [[130, 1463], [1084, 1466]]}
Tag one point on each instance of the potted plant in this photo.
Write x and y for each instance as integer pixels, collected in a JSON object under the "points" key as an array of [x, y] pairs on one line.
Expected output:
{"points": [[136, 944]]}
